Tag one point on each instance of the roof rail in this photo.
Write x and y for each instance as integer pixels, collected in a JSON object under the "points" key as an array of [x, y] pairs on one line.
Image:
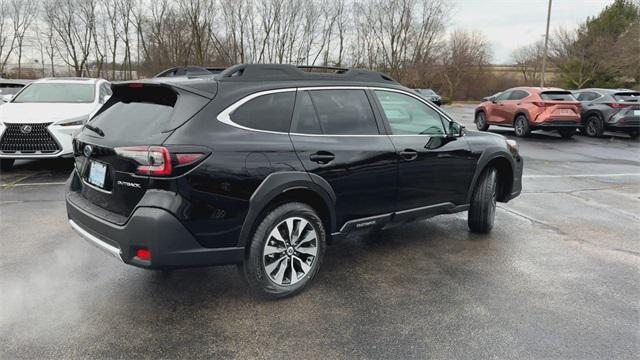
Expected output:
{"points": [[284, 72]]}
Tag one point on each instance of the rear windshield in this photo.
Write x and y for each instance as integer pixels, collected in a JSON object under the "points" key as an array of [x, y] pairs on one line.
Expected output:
{"points": [[136, 113], [557, 96], [57, 93], [627, 97]]}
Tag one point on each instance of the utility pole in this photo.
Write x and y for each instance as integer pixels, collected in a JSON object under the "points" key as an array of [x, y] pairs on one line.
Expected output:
{"points": [[546, 46]]}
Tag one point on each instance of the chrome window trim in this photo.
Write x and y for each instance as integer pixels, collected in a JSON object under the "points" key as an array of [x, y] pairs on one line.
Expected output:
{"points": [[225, 115]]}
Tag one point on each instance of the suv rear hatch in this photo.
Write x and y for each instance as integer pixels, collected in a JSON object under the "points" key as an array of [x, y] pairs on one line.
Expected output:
{"points": [[560, 105], [119, 150], [628, 103]]}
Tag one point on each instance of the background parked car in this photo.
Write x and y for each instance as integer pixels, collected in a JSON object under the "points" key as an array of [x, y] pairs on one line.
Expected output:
{"points": [[10, 87], [40, 120], [531, 108], [609, 109], [430, 95], [190, 71]]}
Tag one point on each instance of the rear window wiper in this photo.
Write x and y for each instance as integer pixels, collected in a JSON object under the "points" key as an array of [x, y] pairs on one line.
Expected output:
{"points": [[95, 129]]}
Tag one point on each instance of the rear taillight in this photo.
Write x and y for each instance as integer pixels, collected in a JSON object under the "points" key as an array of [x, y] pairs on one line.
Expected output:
{"points": [[541, 104], [157, 160], [618, 105]]}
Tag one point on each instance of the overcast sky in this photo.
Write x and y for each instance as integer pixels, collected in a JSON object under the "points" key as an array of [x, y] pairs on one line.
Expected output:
{"points": [[509, 24]]}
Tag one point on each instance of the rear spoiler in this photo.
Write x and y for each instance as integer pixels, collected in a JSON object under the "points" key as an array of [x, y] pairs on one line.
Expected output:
{"points": [[205, 87]]}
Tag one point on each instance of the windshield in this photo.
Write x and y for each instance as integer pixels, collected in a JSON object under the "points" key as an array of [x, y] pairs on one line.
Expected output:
{"points": [[57, 93], [427, 92]]}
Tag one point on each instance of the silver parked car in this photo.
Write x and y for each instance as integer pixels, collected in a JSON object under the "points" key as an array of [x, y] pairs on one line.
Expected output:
{"points": [[609, 110]]}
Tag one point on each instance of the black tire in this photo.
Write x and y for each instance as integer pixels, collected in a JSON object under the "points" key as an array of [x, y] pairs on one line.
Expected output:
{"points": [[481, 121], [634, 134], [567, 133], [255, 265], [482, 212], [6, 164], [521, 126], [594, 127]]}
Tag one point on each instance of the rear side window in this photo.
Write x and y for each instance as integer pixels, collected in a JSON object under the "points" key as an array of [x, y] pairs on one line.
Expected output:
{"points": [[344, 112], [627, 97], [271, 112], [557, 96]]}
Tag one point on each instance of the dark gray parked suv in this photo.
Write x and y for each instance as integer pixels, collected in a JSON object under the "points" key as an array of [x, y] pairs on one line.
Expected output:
{"points": [[609, 110]]}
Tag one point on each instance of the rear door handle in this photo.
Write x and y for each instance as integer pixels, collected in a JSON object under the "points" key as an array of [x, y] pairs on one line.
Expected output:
{"points": [[409, 154], [322, 157]]}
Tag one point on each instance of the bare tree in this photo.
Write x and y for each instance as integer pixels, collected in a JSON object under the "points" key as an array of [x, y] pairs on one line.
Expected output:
{"points": [[464, 56], [7, 36], [528, 58]]}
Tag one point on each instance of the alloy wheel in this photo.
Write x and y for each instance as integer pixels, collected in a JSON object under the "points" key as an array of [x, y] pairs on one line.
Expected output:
{"points": [[591, 128], [290, 251], [519, 129]]}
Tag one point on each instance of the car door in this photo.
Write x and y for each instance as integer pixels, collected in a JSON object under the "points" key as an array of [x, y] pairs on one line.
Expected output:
{"points": [[336, 136], [498, 115], [512, 104], [434, 168]]}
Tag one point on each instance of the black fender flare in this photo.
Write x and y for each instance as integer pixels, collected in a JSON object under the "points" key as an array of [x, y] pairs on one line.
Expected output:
{"points": [[519, 112], [588, 113], [280, 182], [488, 155]]}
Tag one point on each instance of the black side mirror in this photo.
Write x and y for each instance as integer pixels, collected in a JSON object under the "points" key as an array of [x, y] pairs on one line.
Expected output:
{"points": [[456, 129]]}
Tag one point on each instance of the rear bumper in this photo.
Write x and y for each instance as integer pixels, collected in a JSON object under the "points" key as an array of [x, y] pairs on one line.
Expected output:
{"points": [[624, 123], [556, 125], [170, 243]]}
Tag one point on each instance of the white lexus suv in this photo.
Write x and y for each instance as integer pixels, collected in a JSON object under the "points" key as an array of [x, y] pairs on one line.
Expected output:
{"points": [[40, 120]]}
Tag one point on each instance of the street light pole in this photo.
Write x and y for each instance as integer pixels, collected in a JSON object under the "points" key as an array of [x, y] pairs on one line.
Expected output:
{"points": [[546, 46]]}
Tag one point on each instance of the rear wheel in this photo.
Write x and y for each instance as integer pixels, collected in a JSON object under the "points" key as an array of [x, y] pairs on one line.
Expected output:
{"points": [[634, 134], [286, 251], [521, 126], [6, 164], [594, 126], [482, 212], [567, 133], [481, 121]]}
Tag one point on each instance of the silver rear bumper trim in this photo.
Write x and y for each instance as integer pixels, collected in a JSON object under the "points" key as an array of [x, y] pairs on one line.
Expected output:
{"points": [[112, 250]]}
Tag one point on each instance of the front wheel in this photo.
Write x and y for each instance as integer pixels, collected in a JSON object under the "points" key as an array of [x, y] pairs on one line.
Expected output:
{"points": [[482, 212], [6, 164], [567, 133], [521, 126], [286, 251], [481, 121]]}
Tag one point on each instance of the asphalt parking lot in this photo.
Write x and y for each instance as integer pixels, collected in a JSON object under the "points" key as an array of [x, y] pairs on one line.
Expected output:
{"points": [[559, 277]]}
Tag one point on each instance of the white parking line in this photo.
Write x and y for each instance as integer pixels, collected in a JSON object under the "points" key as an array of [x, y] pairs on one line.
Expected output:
{"points": [[579, 176], [33, 184]]}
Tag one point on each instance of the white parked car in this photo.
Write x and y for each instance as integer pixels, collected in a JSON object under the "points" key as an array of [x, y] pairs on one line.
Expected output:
{"points": [[39, 121]]}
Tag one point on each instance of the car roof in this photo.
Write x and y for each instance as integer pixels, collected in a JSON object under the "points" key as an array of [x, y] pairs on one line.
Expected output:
{"points": [[536, 89], [277, 73], [14, 81], [608, 91], [69, 80]]}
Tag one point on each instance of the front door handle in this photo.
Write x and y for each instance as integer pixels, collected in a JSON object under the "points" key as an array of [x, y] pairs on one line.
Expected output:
{"points": [[409, 154], [322, 157]]}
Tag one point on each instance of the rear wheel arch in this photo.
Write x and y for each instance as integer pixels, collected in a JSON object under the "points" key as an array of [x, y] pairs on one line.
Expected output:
{"points": [[522, 112], [283, 187]]}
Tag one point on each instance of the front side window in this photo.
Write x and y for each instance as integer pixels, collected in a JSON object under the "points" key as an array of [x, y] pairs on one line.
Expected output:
{"points": [[504, 96], [342, 112], [518, 95], [409, 116], [57, 93], [270, 112]]}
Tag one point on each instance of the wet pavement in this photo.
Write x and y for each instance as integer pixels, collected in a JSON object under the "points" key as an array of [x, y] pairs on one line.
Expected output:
{"points": [[559, 277]]}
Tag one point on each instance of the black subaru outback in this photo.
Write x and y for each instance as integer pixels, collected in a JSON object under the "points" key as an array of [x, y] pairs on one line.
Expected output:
{"points": [[264, 165]]}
